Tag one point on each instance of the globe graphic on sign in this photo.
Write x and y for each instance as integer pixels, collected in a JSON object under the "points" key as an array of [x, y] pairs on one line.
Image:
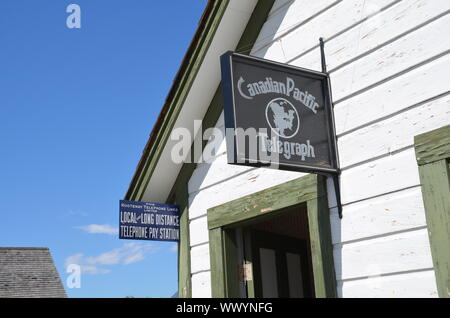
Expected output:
{"points": [[282, 117]]}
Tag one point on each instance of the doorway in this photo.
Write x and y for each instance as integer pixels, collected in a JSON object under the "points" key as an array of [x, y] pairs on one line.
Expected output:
{"points": [[295, 211], [275, 257]]}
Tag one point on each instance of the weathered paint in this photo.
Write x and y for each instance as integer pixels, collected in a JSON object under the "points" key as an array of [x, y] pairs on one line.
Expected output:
{"points": [[185, 266], [309, 190], [388, 66], [433, 154], [263, 202], [433, 146]]}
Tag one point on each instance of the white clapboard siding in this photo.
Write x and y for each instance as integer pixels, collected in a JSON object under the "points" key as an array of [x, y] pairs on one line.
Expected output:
{"points": [[287, 18], [216, 143], [396, 21], [200, 258], [409, 285], [331, 193], [201, 285], [372, 34], [237, 187], [394, 212], [393, 96], [277, 5], [221, 121], [273, 52], [382, 28], [389, 69], [387, 174], [385, 255], [328, 25], [393, 134], [198, 231], [407, 52], [209, 173]]}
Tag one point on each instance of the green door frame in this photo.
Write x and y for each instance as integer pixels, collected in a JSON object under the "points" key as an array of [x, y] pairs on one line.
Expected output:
{"points": [[433, 154], [309, 190]]}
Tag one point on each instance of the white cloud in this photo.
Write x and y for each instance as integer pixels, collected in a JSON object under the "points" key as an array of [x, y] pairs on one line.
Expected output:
{"points": [[76, 213], [133, 258], [99, 229], [127, 254], [174, 248], [94, 270], [74, 259]]}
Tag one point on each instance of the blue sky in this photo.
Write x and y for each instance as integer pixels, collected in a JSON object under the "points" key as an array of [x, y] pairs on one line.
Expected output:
{"points": [[76, 108]]}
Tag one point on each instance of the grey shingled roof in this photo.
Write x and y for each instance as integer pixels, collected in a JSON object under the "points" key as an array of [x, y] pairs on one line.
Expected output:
{"points": [[28, 272]]}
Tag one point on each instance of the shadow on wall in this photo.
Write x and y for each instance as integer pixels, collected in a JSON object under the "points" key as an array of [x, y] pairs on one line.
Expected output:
{"points": [[335, 224], [260, 47], [268, 34], [215, 170]]}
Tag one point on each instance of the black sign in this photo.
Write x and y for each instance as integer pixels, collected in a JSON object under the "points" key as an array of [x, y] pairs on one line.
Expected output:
{"points": [[149, 221], [277, 114]]}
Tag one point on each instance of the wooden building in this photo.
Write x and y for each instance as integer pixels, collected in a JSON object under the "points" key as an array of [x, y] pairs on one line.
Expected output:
{"points": [[258, 232], [29, 272]]}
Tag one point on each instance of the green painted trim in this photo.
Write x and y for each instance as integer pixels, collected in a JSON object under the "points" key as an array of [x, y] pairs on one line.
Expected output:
{"points": [[263, 202], [230, 257], [309, 189], [433, 152], [210, 119], [181, 188], [254, 25], [433, 146], [434, 178], [245, 43], [217, 259], [184, 255], [151, 160], [321, 243]]}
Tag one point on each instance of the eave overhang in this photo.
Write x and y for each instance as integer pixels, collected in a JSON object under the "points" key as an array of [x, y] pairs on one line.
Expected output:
{"points": [[219, 30]]}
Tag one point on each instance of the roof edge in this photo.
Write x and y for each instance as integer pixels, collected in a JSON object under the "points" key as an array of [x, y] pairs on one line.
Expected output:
{"points": [[190, 57], [23, 248]]}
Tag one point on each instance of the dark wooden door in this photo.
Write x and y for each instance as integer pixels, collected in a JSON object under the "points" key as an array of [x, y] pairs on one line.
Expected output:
{"points": [[280, 266]]}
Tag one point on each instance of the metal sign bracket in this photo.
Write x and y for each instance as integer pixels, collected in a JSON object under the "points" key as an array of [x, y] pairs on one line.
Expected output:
{"points": [[335, 176]]}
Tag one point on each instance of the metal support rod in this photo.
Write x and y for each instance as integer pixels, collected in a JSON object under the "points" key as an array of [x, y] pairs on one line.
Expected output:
{"points": [[337, 188], [322, 55]]}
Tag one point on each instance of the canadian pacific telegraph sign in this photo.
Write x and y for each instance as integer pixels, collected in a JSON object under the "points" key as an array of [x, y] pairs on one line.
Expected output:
{"points": [[149, 221], [290, 109]]}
